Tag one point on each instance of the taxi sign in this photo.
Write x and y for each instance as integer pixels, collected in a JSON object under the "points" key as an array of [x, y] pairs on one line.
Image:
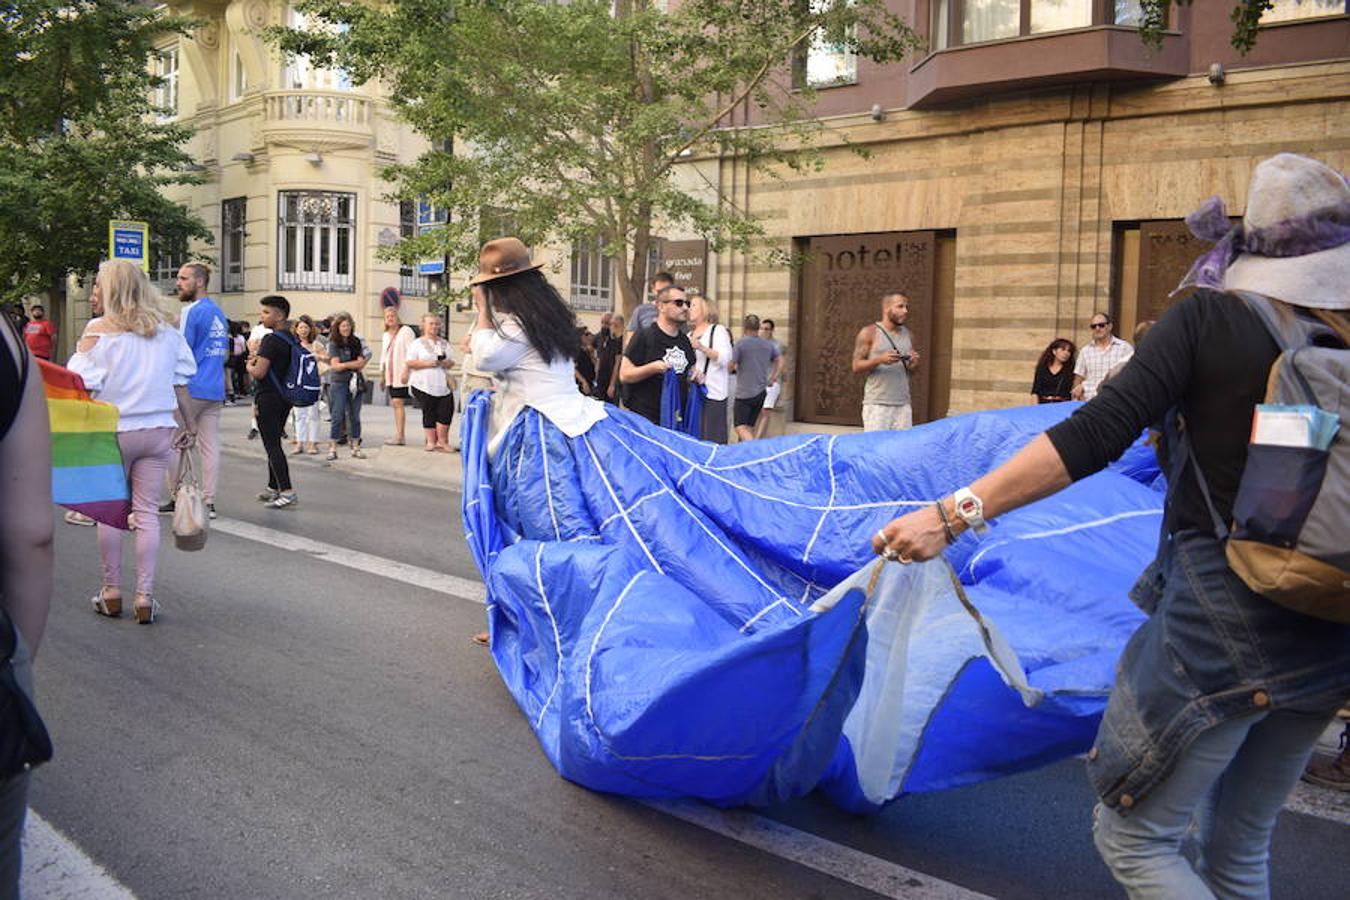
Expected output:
{"points": [[129, 240]]}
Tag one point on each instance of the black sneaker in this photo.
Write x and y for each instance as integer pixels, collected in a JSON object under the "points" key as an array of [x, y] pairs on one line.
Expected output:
{"points": [[210, 510], [253, 434], [166, 508]]}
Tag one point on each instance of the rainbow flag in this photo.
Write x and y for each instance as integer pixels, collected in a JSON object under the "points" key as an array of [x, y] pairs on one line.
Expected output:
{"points": [[87, 471]]}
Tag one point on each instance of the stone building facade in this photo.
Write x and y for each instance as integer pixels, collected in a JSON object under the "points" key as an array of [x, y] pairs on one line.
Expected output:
{"points": [[1019, 179]]}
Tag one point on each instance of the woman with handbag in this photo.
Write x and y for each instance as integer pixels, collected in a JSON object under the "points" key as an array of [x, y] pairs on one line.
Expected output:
{"points": [[347, 356], [134, 359], [712, 352]]}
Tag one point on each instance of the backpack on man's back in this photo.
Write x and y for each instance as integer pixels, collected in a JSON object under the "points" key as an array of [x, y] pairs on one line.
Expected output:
{"points": [[1290, 539], [301, 386]]}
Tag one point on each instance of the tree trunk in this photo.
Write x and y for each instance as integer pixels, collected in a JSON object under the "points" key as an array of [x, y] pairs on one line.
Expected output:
{"points": [[60, 317]]}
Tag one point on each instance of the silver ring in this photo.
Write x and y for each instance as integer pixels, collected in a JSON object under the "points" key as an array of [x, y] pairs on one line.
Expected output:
{"points": [[890, 553], [903, 560]]}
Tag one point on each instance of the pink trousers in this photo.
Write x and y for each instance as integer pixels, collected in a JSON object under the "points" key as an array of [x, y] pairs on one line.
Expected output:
{"points": [[145, 455]]}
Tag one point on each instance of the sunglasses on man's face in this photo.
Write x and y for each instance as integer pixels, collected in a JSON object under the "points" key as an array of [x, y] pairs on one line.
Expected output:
{"points": [[679, 302], [1100, 324]]}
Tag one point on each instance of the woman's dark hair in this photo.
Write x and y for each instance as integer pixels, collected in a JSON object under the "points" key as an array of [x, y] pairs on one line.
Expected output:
{"points": [[549, 324], [351, 342], [1048, 356]]}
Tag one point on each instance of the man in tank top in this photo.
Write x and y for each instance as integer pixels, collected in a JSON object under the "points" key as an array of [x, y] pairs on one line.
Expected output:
{"points": [[884, 352]]}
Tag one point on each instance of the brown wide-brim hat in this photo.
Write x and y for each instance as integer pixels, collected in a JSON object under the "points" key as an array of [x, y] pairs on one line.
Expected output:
{"points": [[503, 258]]}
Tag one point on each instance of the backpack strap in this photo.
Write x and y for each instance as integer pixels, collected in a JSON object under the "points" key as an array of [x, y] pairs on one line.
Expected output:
{"points": [[1291, 333], [271, 370], [890, 340]]}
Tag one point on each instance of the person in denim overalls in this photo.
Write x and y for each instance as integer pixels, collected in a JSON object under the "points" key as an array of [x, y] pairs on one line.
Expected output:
{"points": [[1221, 694]]}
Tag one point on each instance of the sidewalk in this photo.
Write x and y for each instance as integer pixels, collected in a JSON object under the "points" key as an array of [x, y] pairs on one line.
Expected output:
{"points": [[409, 464]]}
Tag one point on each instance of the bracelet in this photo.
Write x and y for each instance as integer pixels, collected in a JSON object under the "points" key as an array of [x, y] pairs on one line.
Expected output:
{"points": [[946, 522]]}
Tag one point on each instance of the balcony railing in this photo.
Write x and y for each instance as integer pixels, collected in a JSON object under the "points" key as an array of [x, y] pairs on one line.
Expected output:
{"points": [[327, 107], [318, 120]]}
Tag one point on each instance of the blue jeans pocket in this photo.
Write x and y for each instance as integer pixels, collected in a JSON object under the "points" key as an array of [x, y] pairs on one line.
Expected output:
{"points": [[1278, 488]]}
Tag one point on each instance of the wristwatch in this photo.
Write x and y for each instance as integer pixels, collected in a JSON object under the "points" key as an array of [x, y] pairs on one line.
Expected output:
{"points": [[971, 510]]}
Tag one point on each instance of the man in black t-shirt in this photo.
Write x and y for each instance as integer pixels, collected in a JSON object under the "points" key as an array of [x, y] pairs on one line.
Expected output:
{"points": [[273, 356], [660, 346]]}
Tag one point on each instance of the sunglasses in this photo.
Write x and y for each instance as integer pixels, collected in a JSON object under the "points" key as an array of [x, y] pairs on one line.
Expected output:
{"points": [[679, 302], [1099, 324]]}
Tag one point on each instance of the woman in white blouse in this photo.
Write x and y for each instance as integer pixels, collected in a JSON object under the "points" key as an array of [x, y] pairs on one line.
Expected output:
{"points": [[425, 372], [134, 359], [712, 352]]}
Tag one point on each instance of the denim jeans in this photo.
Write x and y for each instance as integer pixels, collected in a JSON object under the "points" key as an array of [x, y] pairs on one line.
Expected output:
{"points": [[1233, 781], [343, 401]]}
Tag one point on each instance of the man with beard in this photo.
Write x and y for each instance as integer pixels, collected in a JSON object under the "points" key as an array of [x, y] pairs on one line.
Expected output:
{"points": [[40, 333], [885, 353], [660, 346], [208, 334]]}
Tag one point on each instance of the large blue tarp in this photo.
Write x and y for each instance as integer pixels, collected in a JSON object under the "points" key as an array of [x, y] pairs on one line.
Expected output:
{"points": [[649, 604]]}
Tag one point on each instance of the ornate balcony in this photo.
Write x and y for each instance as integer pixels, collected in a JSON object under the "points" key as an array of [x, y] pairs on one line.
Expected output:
{"points": [[318, 120]]}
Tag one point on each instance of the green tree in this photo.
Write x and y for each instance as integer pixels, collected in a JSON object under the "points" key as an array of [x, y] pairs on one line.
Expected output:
{"points": [[572, 117], [80, 141], [1245, 16]]}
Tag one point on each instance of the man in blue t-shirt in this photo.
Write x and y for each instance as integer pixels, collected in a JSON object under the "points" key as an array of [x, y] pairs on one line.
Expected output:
{"points": [[208, 334]]}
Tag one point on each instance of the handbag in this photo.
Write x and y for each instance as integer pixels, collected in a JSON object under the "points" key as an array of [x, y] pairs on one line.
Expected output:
{"points": [[24, 741], [189, 509]]}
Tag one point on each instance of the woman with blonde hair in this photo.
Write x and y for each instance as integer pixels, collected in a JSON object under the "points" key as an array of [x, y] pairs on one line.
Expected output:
{"points": [[712, 352], [133, 358], [425, 370]]}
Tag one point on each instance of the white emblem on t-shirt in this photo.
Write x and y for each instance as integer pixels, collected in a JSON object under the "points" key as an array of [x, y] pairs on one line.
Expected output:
{"points": [[676, 359]]}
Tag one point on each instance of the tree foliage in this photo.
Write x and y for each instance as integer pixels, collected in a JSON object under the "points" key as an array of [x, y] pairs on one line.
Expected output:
{"points": [[80, 142], [1245, 16], [571, 117]]}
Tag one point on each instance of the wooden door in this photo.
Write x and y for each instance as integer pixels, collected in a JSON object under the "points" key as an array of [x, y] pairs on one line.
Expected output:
{"points": [[842, 283]]}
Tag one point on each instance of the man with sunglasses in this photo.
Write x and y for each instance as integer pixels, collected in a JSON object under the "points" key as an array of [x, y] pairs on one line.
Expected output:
{"points": [[1098, 358], [650, 352]]}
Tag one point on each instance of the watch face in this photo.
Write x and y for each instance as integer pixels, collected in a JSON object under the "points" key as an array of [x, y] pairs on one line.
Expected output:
{"points": [[966, 507]]}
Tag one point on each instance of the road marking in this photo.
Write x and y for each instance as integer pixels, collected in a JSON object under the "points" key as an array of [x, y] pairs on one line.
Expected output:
{"points": [[836, 860], [55, 869], [1322, 803], [462, 588]]}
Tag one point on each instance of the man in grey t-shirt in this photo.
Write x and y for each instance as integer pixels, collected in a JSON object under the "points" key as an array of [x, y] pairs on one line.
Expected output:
{"points": [[645, 314], [758, 364]]}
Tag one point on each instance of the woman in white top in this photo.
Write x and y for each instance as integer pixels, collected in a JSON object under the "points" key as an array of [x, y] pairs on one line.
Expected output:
{"points": [[133, 359], [712, 352], [425, 369], [307, 417]]}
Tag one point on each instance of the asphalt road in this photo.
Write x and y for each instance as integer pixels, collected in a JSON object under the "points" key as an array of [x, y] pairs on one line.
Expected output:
{"points": [[294, 728]]}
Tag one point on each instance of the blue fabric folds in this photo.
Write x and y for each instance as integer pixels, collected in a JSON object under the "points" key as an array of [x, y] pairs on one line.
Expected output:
{"points": [[672, 404], [648, 598], [693, 411]]}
